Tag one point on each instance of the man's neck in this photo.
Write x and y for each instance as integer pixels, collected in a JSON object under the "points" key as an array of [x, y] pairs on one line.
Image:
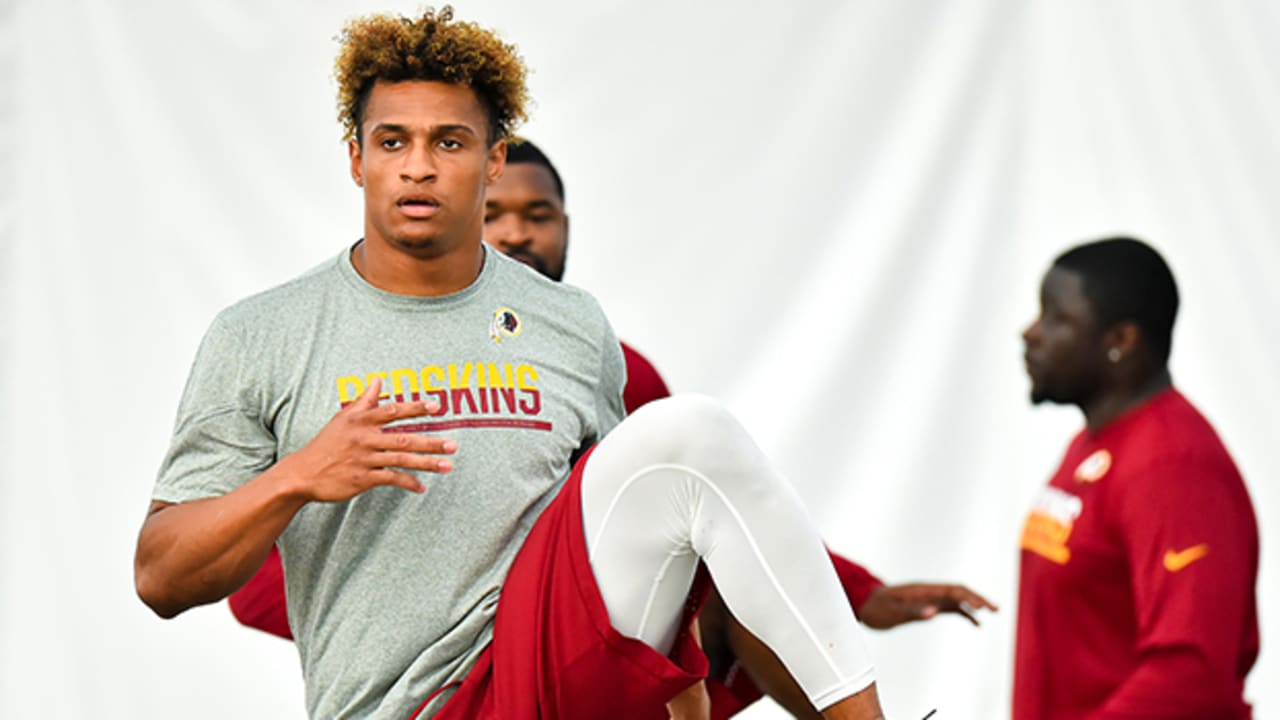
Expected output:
{"points": [[1108, 406], [397, 271]]}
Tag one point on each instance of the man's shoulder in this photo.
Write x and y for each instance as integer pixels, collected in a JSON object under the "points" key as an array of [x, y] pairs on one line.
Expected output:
{"points": [[1174, 445], [1173, 428], [289, 299]]}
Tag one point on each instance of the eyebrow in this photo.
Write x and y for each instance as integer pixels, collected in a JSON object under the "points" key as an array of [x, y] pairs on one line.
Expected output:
{"points": [[534, 205], [434, 130]]}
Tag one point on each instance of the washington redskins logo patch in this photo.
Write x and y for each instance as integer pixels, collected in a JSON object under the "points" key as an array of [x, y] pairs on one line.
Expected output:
{"points": [[1093, 468], [506, 322]]}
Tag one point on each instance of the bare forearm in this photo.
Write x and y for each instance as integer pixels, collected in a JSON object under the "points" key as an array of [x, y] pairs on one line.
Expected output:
{"points": [[199, 552], [865, 705]]}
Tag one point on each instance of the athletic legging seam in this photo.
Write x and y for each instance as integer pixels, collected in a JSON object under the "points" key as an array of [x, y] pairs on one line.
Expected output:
{"points": [[653, 593], [751, 543]]}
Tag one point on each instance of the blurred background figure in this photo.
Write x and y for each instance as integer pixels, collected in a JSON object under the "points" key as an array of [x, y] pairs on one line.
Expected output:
{"points": [[1140, 557]]}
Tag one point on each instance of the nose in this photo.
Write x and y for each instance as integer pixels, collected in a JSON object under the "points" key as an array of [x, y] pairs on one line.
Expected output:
{"points": [[419, 165], [510, 233], [1031, 333]]}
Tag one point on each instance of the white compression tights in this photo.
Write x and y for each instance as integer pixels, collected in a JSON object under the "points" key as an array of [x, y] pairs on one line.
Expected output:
{"points": [[681, 480]]}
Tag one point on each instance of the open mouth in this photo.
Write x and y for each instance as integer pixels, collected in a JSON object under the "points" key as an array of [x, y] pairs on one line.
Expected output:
{"points": [[418, 206]]}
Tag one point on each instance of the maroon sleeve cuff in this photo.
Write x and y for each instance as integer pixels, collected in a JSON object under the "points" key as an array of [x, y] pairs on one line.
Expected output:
{"points": [[857, 581]]}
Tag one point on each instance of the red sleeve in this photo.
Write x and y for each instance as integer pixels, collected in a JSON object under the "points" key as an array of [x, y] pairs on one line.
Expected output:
{"points": [[856, 580], [260, 604], [1191, 540], [644, 384]]}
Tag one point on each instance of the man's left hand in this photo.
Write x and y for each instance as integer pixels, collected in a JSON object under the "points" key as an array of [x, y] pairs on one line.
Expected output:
{"points": [[893, 605]]}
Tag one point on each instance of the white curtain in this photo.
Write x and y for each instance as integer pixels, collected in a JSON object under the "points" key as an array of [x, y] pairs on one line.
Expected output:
{"points": [[832, 215]]}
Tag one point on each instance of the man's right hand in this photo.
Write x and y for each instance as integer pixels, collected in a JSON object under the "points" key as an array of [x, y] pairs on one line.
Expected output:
{"points": [[200, 551], [355, 451]]}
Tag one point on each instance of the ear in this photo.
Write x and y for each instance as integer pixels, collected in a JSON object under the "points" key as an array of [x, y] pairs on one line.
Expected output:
{"points": [[357, 162], [1125, 337], [495, 162]]}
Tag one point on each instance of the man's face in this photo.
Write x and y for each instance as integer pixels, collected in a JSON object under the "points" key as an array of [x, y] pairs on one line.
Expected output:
{"points": [[424, 163], [524, 218], [1064, 353]]}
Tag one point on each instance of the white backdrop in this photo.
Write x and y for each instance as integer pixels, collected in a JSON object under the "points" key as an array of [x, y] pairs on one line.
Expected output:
{"points": [[832, 215]]}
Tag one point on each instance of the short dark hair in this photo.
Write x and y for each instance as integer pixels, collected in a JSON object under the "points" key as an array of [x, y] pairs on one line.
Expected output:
{"points": [[1127, 280], [520, 150]]}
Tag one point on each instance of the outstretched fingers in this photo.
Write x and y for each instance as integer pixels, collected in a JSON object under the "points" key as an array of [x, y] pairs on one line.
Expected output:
{"points": [[368, 399], [369, 408], [393, 411], [399, 451], [894, 605], [396, 478], [963, 601], [363, 447]]}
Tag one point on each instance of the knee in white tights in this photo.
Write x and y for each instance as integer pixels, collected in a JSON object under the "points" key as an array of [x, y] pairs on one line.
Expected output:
{"points": [[682, 480]]}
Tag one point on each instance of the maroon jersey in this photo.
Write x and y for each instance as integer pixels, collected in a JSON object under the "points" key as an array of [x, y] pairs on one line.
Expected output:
{"points": [[261, 602], [644, 384], [1139, 562]]}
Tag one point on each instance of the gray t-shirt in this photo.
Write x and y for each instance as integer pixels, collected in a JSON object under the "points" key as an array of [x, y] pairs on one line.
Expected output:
{"points": [[391, 594]]}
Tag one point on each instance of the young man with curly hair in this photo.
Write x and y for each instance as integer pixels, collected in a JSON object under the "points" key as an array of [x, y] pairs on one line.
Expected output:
{"points": [[430, 433]]}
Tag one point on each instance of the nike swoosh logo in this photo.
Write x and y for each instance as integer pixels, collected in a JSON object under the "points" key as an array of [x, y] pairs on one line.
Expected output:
{"points": [[1175, 561]]}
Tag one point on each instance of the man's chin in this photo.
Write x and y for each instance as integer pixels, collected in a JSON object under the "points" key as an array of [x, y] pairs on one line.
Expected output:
{"points": [[1041, 396], [421, 245]]}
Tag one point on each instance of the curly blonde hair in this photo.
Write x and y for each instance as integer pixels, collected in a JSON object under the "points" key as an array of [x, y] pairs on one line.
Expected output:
{"points": [[433, 47]]}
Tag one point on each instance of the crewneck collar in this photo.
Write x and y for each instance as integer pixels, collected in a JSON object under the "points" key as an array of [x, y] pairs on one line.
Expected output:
{"points": [[415, 302]]}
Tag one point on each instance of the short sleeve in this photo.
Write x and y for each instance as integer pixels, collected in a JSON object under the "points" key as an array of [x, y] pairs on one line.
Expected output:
{"points": [[219, 440], [857, 581]]}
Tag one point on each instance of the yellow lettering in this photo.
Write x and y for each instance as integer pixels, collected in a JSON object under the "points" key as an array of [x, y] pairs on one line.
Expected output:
{"points": [[526, 377], [500, 378], [431, 376], [350, 387], [460, 380], [1046, 537], [405, 383]]}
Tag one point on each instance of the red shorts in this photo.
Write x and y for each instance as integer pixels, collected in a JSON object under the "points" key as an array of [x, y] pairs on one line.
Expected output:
{"points": [[554, 653]]}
